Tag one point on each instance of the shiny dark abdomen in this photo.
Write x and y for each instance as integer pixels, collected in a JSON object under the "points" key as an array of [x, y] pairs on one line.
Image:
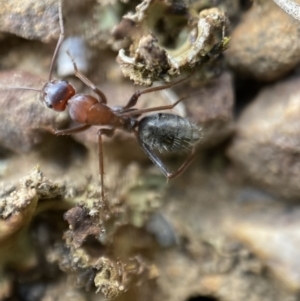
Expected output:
{"points": [[168, 132]]}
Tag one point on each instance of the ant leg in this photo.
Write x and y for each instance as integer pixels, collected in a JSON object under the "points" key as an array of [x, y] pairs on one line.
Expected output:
{"points": [[109, 133], [159, 108], [154, 158], [184, 165], [134, 98], [62, 132], [86, 81], [60, 40], [74, 130]]}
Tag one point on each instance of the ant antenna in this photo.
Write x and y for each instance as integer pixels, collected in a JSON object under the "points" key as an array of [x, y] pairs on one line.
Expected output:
{"points": [[86, 81], [23, 88], [60, 40]]}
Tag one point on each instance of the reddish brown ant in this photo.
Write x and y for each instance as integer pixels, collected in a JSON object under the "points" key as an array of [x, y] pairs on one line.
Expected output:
{"points": [[159, 131]]}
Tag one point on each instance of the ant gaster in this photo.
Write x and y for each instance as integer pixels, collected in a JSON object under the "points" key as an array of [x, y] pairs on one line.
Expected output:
{"points": [[161, 131]]}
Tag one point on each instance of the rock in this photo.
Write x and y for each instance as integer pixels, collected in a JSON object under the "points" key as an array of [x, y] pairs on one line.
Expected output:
{"points": [[276, 242], [267, 143], [30, 19], [266, 44], [212, 108]]}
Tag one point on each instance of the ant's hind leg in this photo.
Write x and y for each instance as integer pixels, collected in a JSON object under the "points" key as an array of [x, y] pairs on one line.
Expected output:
{"points": [[153, 109], [71, 131], [183, 166], [154, 158], [134, 98], [109, 133], [68, 131], [87, 82]]}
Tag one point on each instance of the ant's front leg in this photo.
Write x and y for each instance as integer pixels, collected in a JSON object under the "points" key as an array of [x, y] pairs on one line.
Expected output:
{"points": [[154, 158], [86, 81]]}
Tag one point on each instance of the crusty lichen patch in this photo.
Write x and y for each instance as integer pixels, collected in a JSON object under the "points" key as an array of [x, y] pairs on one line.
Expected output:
{"points": [[152, 56], [87, 252], [17, 210]]}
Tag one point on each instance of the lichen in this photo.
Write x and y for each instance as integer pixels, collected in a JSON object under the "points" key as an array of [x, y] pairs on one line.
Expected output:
{"points": [[88, 250], [188, 40]]}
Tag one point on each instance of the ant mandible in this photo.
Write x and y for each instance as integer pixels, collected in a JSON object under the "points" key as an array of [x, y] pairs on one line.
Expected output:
{"points": [[160, 131]]}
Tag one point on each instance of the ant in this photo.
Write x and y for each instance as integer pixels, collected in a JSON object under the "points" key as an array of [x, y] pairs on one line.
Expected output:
{"points": [[160, 131]]}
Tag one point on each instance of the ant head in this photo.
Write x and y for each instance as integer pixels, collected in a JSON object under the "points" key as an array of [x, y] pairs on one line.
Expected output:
{"points": [[56, 94]]}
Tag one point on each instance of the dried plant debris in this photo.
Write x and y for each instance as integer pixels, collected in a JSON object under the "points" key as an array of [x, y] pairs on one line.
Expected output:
{"points": [[161, 43], [266, 147], [105, 16], [23, 117], [91, 254], [30, 19], [83, 223], [265, 45], [99, 273], [89, 257]]}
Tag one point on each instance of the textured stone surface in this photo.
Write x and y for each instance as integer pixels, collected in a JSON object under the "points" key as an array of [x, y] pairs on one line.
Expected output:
{"points": [[266, 43], [267, 142], [276, 241], [30, 19]]}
